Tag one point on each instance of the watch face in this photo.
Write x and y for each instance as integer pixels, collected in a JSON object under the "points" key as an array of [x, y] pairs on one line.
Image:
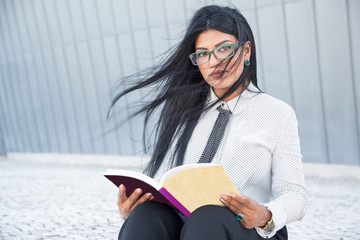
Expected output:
{"points": [[271, 226]]}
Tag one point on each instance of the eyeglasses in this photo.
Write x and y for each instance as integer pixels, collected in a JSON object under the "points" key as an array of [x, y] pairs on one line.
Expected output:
{"points": [[221, 52]]}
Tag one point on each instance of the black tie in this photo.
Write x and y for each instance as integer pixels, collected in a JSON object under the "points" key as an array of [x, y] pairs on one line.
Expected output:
{"points": [[216, 135]]}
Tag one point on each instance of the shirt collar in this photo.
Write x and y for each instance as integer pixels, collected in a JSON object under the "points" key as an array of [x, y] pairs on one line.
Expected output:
{"points": [[237, 104]]}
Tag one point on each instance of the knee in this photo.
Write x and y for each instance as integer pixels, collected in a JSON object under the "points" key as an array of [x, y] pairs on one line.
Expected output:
{"points": [[209, 222], [210, 210], [210, 213], [153, 214], [206, 217], [151, 220], [150, 210], [143, 209], [215, 222]]}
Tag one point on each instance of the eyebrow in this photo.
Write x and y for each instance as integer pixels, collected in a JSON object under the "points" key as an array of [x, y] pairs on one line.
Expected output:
{"points": [[201, 48]]}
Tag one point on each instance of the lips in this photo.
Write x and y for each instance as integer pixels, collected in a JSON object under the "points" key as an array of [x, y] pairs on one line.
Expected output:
{"points": [[217, 74]]}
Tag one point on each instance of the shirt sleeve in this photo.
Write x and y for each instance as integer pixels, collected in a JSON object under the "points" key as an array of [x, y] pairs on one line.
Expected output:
{"points": [[288, 184]]}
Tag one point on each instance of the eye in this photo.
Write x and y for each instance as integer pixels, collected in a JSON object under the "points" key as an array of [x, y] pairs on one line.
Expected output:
{"points": [[224, 48], [201, 54]]}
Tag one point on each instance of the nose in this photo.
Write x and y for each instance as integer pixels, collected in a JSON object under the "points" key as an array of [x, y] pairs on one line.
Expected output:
{"points": [[213, 60]]}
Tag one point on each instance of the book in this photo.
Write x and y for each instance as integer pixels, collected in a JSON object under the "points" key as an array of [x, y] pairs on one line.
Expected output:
{"points": [[184, 188]]}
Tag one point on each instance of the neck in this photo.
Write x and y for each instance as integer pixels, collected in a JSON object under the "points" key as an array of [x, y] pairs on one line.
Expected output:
{"points": [[237, 92]]}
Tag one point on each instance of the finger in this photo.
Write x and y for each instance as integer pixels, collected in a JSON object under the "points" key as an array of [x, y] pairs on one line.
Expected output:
{"points": [[245, 201], [134, 197], [232, 204], [122, 194], [230, 201], [247, 207], [237, 208], [145, 198]]}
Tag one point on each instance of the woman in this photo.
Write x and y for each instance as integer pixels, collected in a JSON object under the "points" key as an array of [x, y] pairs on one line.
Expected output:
{"points": [[210, 75]]}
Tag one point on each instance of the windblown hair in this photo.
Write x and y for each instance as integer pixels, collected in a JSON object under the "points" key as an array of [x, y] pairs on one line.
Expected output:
{"points": [[183, 92]]}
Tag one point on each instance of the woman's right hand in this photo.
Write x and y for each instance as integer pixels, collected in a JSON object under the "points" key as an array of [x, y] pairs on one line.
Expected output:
{"points": [[127, 204]]}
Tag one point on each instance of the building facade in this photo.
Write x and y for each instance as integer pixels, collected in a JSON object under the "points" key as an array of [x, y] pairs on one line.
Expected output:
{"points": [[60, 62]]}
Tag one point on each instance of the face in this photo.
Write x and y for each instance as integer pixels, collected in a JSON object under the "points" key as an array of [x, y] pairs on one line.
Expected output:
{"points": [[212, 70]]}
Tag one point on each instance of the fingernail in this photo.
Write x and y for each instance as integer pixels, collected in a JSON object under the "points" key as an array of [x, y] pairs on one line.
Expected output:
{"points": [[222, 200], [138, 190], [121, 186], [149, 195], [232, 195], [223, 197]]}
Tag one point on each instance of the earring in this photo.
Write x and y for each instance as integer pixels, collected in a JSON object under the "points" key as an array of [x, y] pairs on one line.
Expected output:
{"points": [[247, 62]]}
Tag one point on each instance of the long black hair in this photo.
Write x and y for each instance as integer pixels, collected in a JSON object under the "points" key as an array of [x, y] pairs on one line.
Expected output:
{"points": [[182, 91]]}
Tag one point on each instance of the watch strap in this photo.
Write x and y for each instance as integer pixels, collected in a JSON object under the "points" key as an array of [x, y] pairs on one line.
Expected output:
{"points": [[269, 226]]}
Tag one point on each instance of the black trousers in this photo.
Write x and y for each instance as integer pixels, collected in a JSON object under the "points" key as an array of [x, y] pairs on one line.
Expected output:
{"points": [[152, 220]]}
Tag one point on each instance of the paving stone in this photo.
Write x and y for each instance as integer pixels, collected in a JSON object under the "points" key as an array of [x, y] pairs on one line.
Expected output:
{"points": [[58, 201]]}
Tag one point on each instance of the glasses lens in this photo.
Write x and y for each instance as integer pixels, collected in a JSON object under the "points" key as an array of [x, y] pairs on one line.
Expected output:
{"points": [[222, 52], [200, 57], [225, 51]]}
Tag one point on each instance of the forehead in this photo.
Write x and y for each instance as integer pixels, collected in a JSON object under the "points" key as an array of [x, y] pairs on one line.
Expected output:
{"points": [[210, 38]]}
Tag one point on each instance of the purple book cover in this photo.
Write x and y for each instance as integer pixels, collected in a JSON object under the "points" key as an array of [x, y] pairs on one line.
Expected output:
{"points": [[161, 195], [174, 201]]}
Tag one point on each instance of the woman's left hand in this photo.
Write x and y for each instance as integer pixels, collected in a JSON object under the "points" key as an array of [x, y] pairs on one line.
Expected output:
{"points": [[255, 215]]}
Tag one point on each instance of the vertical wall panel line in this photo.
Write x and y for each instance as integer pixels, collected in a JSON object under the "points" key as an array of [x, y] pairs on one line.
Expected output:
{"points": [[150, 36], [51, 100], [149, 30], [25, 132], [121, 66], [81, 74], [322, 100], [94, 79], [185, 10], [64, 119], [3, 150], [2, 123], [26, 81], [10, 90], [69, 80], [137, 67], [3, 118], [26, 135], [9, 128], [353, 76], [258, 44], [105, 58], [8, 119], [37, 76], [4, 128], [131, 27], [166, 24], [288, 55]]}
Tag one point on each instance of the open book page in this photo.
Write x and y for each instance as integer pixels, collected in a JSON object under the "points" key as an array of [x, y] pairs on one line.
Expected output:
{"points": [[199, 186], [182, 168]]}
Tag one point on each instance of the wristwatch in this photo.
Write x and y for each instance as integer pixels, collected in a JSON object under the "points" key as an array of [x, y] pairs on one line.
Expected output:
{"points": [[269, 226]]}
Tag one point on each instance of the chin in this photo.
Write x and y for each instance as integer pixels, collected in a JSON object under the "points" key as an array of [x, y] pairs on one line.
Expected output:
{"points": [[221, 86]]}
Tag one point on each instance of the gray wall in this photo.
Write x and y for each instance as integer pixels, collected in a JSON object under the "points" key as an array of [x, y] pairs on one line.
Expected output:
{"points": [[60, 61]]}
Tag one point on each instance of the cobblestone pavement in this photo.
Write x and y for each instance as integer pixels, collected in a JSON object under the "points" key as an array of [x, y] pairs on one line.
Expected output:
{"points": [[58, 201]]}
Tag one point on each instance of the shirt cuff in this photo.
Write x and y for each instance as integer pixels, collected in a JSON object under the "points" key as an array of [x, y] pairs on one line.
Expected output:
{"points": [[279, 218]]}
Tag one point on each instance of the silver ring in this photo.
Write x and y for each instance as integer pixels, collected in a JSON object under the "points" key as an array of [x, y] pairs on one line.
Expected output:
{"points": [[240, 217]]}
